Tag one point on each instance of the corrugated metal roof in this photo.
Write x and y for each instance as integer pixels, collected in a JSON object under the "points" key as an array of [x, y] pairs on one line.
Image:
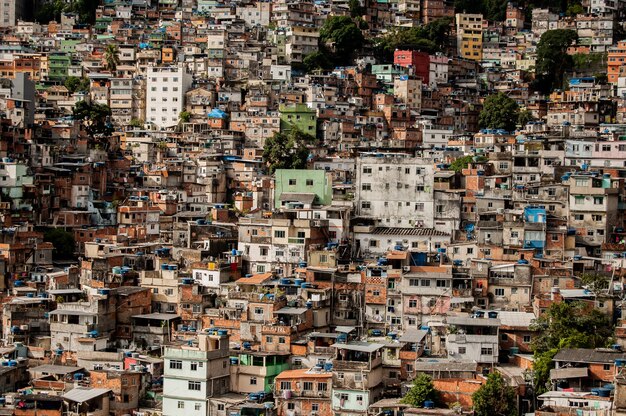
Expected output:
{"points": [[81, 395], [359, 346], [565, 373], [409, 231]]}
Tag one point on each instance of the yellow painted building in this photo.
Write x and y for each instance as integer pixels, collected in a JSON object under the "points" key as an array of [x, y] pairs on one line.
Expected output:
{"points": [[469, 36]]}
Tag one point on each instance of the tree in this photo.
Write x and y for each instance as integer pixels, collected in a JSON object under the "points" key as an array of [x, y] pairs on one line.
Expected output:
{"points": [[461, 163], [112, 57], [184, 116], [566, 325], [421, 391], [356, 9], [552, 58], [430, 38], [524, 117], [95, 119], [316, 60], [136, 122], [63, 242], [74, 84], [287, 150], [499, 112], [342, 36], [494, 398], [596, 283]]}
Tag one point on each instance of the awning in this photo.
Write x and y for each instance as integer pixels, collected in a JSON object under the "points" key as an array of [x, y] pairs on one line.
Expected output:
{"points": [[291, 311], [565, 373], [71, 312]]}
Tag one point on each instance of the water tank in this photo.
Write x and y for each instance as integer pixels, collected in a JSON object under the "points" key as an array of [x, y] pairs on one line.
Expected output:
{"points": [[222, 332], [429, 404], [285, 281], [328, 366], [164, 267], [514, 350], [78, 376], [595, 391], [30, 295], [298, 282], [247, 346], [602, 392], [309, 304], [234, 361], [13, 363], [492, 314]]}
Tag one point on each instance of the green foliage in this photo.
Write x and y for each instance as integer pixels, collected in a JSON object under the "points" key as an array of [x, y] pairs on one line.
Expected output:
{"points": [[341, 35], [94, 117], [63, 242], [585, 64], [495, 398], [136, 122], [112, 57], [184, 116], [524, 117], [429, 38], [566, 325], [499, 112], [552, 58], [52, 10], [317, 60], [574, 9], [595, 282], [422, 390], [356, 9], [74, 84], [287, 150], [461, 163]]}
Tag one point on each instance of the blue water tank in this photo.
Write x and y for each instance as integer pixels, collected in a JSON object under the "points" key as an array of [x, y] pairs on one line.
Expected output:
{"points": [[78, 376], [309, 304], [298, 282], [222, 332], [13, 363], [285, 281], [595, 391], [164, 267], [429, 404], [247, 346], [328, 366], [602, 392], [30, 295], [234, 361], [492, 314], [18, 283]]}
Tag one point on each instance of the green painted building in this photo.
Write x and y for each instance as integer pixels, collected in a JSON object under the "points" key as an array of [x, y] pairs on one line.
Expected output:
{"points": [[256, 370], [58, 65], [300, 116], [302, 186]]}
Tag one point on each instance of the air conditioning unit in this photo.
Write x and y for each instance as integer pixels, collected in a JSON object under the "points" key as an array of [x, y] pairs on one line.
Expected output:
{"points": [[406, 268]]}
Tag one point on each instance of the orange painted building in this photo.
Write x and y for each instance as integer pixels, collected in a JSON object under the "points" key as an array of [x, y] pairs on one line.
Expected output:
{"points": [[303, 392]]}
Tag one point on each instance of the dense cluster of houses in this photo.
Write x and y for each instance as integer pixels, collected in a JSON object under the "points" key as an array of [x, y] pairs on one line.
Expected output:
{"points": [[165, 268]]}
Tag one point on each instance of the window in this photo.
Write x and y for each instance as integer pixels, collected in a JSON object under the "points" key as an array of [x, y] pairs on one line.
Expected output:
{"points": [[486, 351], [307, 385], [358, 377], [412, 303], [504, 337], [176, 365], [181, 404], [194, 385], [340, 376], [359, 398], [281, 340], [258, 311], [366, 187], [579, 200], [285, 385], [315, 407], [269, 339], [194, 366], [598, 200], [291, 406], [499, 291], [253, 381], [607, 367], [366, 205], [198, 406], [526, 339], [322, 387], [367, 169], [292, 182], [309, 182], [462, 350], [419, 206], [279, 234]]}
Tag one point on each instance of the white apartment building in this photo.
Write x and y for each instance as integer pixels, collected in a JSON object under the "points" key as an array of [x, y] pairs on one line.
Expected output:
{"points": [[195, 373], [165, 94], [396, 190]]}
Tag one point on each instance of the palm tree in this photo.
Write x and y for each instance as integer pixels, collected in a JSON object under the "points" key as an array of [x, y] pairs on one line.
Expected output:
{"points": [[111, 57]]}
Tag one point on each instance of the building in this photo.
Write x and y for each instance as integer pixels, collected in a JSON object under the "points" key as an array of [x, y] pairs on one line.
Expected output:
{"points": [[469, 36], [300, 187], [165, 94], [195, 373]]}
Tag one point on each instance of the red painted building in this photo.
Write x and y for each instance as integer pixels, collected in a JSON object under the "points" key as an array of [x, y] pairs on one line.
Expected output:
{"points": [[418, 62]]}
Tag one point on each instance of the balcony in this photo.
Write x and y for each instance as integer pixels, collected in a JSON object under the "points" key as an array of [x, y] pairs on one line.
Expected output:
{"points": [[296, 240]]}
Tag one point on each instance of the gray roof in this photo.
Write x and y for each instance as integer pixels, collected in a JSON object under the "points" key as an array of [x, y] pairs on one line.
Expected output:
{"points": [[413, 335], [323, 335], [306, 198], [466, 320], [445, 365], [516, 319], [291, 311], [569, 372], [158, 316], [359, 346], [55, 369], [64, 291], [584, 355], [409, 231], [345, 329], [71, 312], [81, 395]]}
